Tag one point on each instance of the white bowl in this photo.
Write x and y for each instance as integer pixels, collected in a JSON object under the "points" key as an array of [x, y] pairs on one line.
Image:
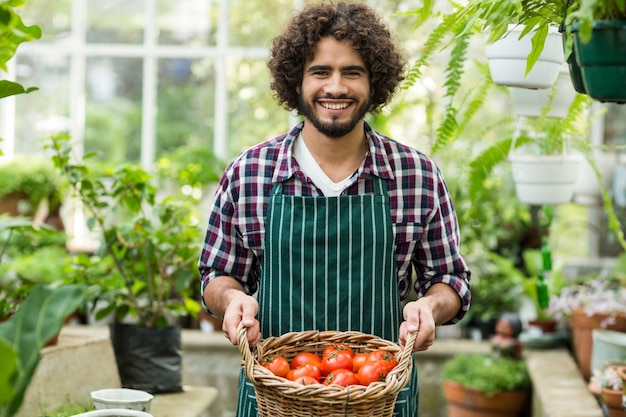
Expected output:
{"points": [[121, 398], [113, 412]]}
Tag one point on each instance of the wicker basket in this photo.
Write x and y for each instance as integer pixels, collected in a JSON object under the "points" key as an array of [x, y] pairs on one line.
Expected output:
{"points": [[279, 397]]}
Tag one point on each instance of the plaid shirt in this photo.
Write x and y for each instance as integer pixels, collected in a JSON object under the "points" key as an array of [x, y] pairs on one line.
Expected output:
{"points": [[424, 221]]}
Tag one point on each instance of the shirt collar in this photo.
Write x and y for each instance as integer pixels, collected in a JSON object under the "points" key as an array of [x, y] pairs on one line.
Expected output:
{"points": [[376, 163]]}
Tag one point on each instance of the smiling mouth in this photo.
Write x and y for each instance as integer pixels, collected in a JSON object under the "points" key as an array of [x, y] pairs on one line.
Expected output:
{"points": [[335, 106]]}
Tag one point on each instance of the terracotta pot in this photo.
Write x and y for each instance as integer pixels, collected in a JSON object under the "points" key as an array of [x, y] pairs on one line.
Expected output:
{"points": [[581, 327], [464, 402], [621, 371], [612, 399], [546, 326]]}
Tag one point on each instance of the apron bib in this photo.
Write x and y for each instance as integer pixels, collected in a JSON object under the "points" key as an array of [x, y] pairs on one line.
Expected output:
{"points": [[330, 265]]}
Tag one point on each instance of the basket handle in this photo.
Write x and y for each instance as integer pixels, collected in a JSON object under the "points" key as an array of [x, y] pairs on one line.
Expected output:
{"points": [[405, 356], [246, 352]]}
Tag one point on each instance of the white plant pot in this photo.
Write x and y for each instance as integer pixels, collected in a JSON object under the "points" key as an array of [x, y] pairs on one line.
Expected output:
{"points": [[545, 179], [121, 398], [608, 346], [507, 59], [113, 413], [529, 102]]}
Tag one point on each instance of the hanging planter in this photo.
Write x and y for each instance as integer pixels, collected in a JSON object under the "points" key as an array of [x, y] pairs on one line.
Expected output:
{"points": [[508, 55], [603, 60], [529, 102], [545, 179]]}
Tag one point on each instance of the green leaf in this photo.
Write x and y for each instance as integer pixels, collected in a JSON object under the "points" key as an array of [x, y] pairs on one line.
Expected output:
{"points": [[9, 88], [40, 317], [538, 40], [7, 372]]}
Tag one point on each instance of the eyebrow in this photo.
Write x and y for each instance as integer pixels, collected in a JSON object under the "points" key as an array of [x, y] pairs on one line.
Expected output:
{"points": [[359, 68]]}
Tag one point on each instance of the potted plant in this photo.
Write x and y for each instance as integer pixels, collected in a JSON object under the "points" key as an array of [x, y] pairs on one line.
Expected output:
{"points": [[607, 385], [596, 31], [483, 385], [29, 185], [592, 302], [144, 270]]}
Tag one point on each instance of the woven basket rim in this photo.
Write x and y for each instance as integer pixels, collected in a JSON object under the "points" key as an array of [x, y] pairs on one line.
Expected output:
{"points": [[262, 377]]}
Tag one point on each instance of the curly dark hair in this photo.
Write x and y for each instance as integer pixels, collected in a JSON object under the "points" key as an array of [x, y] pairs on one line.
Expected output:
{"points": [[356, 23]]}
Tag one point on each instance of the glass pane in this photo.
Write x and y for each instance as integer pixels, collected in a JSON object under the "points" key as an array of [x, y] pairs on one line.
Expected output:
{"points": [[43, 112], [254, 115], [54, 17], [113, 109], [255, 22], [185, 104], [187, 22], [115, 21]]}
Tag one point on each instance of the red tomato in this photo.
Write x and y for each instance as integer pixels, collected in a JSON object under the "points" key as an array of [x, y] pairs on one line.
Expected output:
{"points": [[307, 380], [308, 369], [358, 360], [337, 347], [304, 357], [387, 359], [338, 359], [371, 372], [278, 365], [341, 377]]}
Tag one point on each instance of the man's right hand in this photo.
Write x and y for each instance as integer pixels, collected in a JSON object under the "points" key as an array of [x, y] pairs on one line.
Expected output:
{"points": [[243, 309], [226, 298]]}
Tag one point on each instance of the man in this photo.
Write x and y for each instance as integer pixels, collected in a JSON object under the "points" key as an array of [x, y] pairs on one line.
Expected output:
{"points": [[321, 227]]}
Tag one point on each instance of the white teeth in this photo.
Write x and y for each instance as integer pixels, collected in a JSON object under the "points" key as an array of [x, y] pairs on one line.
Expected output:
{"points": [[335, 106]]}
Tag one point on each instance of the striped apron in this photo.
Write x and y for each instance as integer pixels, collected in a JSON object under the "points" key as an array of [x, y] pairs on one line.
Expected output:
{"points": [[330, 265]]}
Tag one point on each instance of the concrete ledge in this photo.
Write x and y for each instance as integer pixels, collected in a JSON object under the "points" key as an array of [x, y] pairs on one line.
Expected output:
{"points": [[83, 361], [68, 372], [559, 389], [192, 402]]}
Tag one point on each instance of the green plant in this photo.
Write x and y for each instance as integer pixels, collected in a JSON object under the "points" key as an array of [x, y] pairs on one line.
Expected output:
{"points": [[39, 318], [486, 373], [13, 32], [585, 12], [36, 178], [496, 285], [145, 266]]}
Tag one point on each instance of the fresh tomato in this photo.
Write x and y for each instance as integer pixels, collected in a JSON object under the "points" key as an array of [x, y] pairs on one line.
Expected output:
{"points": [[278, 365], [387, 359], [370, 372], [304, 357], [358, 360], [307, 369], [341, 377], [306, 380], [337, 347], [337, 359]]}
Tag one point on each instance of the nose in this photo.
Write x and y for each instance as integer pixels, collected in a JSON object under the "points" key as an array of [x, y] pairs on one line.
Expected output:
{"points": [[335, 85]]}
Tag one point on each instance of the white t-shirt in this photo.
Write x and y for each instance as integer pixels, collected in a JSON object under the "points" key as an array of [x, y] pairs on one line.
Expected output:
{"points": [[312, 169]]}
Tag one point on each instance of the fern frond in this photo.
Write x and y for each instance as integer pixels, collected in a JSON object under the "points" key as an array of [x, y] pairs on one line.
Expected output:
{"points": [[482, 166], [447, 130], [451, 24]]}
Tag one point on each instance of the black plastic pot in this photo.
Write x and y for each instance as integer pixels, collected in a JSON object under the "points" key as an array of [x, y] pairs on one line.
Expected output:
{"points": [[148, 358]]}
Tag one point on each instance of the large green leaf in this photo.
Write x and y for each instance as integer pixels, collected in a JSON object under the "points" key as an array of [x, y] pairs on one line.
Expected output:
{"points": [[9, 88], [39, 318]]}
